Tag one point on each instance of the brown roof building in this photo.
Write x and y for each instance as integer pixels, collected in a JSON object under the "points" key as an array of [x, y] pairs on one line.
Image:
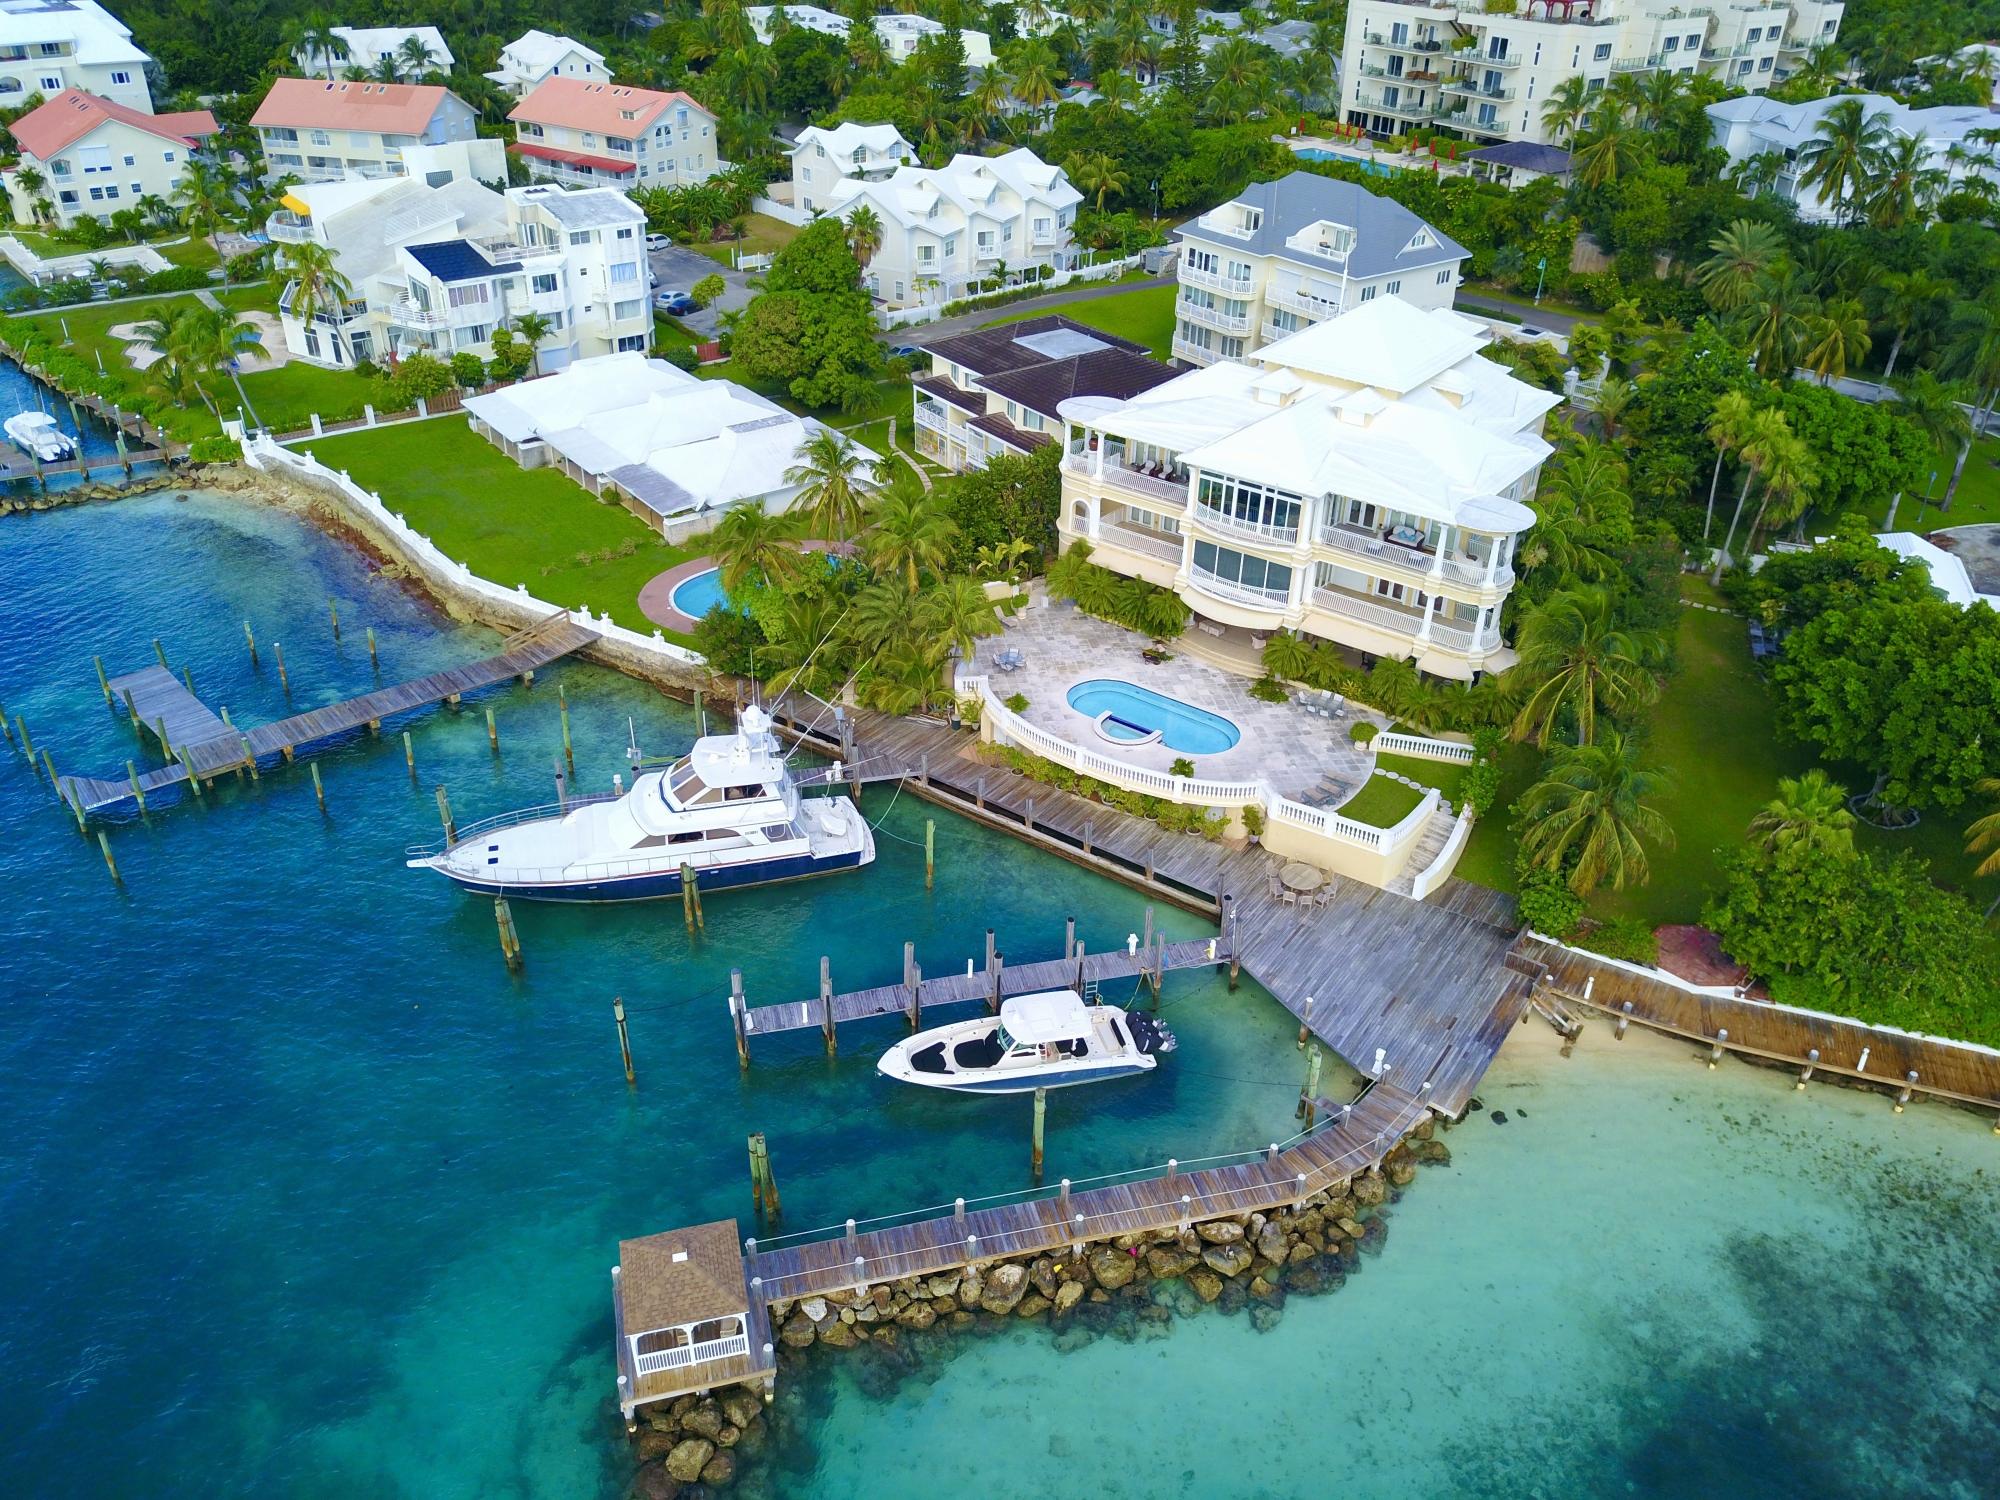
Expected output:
{"points": [[682, 1308]]}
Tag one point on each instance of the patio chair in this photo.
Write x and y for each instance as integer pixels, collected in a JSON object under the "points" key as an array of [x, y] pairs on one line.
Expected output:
{"points": [[1277, 889], [1339, 705], [1323, 897], [1287, 895]]}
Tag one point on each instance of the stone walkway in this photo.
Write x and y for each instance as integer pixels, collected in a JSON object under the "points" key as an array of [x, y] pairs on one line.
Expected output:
{"points": [[1291, 749]]}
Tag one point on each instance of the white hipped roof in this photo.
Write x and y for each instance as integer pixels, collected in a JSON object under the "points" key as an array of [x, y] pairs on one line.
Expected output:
{"points": [[677, 443], [977, 186]]}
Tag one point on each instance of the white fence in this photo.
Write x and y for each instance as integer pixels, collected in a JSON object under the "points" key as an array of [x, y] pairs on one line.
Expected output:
{"points": [[1423, 747], [420, 552], [907, 317], [1434, 874], [690, 1354]]}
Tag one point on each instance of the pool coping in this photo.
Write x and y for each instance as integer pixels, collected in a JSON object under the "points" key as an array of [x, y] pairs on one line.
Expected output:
{"points": [[1153, 736], [656, 596]]}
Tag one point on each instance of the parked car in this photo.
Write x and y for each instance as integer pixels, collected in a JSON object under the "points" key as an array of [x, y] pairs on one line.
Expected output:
{"points": [[905, 351], [658, 242], [674, 303]]}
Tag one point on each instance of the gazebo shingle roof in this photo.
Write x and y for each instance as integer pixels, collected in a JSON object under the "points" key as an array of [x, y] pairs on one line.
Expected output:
{"points": [[682, 1276]]}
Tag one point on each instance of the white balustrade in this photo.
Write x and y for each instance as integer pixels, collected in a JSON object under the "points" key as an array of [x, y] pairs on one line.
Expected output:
{"points": [[1423, 747]]}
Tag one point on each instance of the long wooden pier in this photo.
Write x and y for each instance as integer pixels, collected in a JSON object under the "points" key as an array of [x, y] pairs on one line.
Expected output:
{"points": [[203, 745]]}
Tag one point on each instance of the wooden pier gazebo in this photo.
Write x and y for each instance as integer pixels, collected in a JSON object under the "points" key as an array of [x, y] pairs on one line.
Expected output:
{"points": [[685, 1318]]}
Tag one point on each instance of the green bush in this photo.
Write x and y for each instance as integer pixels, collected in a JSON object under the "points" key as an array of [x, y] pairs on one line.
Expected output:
{"points": [[173, 279], [1362, 732], [468, 369], [680, 356], [1018, 702], [707, 289], [729, 640], [1548, 905], [1627, 938], [214, 450], [1268, 690], [1182, 766], [1253, 820]]}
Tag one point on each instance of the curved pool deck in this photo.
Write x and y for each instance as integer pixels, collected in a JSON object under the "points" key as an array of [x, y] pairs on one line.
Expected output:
{"points": [[656, 597]]}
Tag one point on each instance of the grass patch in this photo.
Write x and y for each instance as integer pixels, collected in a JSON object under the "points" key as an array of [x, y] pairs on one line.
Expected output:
{"points": [[670, 333], [85, 331], [1382, 802], [1489, 854], [1144, 315], [1525, 301], [1977, 501], [512, 525], [286, 398], [258, 296], [762, 235]]}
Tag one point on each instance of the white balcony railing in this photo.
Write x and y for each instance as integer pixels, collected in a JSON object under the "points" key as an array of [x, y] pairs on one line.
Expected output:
{"points": [[288, 228], [1211, 519], [1292, 298], [1193, 353], [1408, 623], [1214, 317], [1117, 476], [931, 414], [690, 1354], [1243, 287], [405, 313], [1276, 600], [1131, 539]]}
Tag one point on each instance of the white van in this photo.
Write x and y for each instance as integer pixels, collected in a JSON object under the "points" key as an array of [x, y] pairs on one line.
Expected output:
{"points": [[657, 242]]}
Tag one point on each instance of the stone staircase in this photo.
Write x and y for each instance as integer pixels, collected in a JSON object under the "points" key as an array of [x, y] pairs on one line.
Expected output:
{"points": [[1429, 843]]}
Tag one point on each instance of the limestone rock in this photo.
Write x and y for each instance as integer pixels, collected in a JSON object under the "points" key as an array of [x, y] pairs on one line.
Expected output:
{"points": [[1264, 1317], [1006, 1284], [719, 1469], [1220, 1232], [730, 1435], [689, 1459], [1350, 1228], [743, 1408], [1264, 1289], [1374, 1234], [1067, 1296], [652, 1444], [1098, 1294], [1229, 1260], [1207, 1285], [867, 1313], [881, 1299], [1425, 1130], [1043, 1274], [1031, 1306], [1402, 1173], [798, 1331], [971, 1287], [704, 1421], [1272, 1244], [1370, 1190], [917, 1315], [1112, 1268], [1168, 1261], [1304, 1250], [943, 1286], [815, 1308], [839, 1335], [1433, 1153], [653, 1482], [962, 1319]]}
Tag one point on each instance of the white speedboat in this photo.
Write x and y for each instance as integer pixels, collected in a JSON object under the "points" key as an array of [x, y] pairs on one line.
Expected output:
{"points": [[728, 809], [1046, 1040], [36, 434]]}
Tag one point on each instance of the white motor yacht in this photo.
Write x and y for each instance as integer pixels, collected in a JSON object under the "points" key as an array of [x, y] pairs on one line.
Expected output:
{"points": [[1045, 1040], [36, 434], [728, 809]]}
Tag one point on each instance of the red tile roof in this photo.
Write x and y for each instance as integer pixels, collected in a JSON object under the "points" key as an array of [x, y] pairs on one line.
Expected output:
{"points": [[73, 114], [607, 108], [320, 103], [573, 158]]}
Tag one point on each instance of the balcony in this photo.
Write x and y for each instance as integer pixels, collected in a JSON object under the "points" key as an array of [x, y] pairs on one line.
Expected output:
{"points": [[288, 228], [1635, 64], [1215, 281], [1223, 524], [1277, 601], [404, 312], [1193, 353], [1477, 90], [932, 415], [1509, 61], [1117, 476], [1408, 623], [1147, 543], [1213, 317], [1292, 299], [1379, 552]]}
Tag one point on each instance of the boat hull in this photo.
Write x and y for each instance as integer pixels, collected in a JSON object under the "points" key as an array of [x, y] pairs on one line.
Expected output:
{"points": [[960, 1084], [658, 884]]}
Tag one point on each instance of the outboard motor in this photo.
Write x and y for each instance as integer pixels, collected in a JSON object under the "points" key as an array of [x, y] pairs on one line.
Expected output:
{"points": [[1148, 1035]]}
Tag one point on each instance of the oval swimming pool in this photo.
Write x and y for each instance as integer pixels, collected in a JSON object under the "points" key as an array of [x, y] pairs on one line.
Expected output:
{"points": [[1125, 711], [696, 596]]}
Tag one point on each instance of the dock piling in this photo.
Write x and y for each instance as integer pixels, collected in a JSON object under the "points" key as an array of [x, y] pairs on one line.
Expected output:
{"points": [[1069, 937], [762, 1182], [930, 835], [1041, 1110], [1715, 1052], [132, 713], [1305, 1022], [617, 1014], [910, 983], [103, 682], [372, 659], [510, 949], [1625, 1019], [691, 898], [333, 613], [444, 816], [1229, 931], [1309, 1095], [562, 703], [187, 676], [27, 744], [738, 1019], [492, 732], [1805, 1073], [249, 758], [161, 652], [138, 792], [826, 1002], [250, 640], [1909, 1088], [410, 757], [318, 790], [111, 864], [194, 780], [999, 969]]}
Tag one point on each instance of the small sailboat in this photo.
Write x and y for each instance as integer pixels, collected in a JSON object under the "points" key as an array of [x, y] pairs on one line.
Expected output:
{"points": [[1045, 1040], [728, 810], [36, 434]]}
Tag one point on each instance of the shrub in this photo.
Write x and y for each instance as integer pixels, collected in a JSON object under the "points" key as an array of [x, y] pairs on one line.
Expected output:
{"points": [[680, 356], [1018, 702], [1627, 938], [468, 369], [173, 279], [707, 289], [214, 450], [1548, 905], [1182, 766], [1253, 820], [1480, 787], [729, 640], [1268, 690], [1362, 732]]}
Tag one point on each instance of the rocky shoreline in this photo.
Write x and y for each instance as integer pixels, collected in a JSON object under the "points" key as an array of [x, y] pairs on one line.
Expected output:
{"points": [[1130, 1288], [93, 491]]}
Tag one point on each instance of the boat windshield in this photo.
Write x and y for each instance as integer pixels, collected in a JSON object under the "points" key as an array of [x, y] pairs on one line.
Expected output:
{"points": [[1005, 1042]]}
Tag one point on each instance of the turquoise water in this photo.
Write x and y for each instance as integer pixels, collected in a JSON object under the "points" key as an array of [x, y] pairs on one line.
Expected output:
{"points": [[1137, 712], [1372, 168], [19, 392], [303, 1195], [696, 596]]}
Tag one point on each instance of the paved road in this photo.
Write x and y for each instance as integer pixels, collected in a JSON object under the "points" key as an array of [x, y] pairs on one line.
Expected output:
{"points": [[1537, 317], [927, 334]]}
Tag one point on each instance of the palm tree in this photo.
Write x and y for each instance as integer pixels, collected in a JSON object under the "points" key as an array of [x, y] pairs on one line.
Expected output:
{"points": [[1239, 81], [387, 69], [416, 56], [986, 102], [1032, 73], [1789, 477], [1764, 437], [317, 282], [533, 327], [1839, 159], [1809, 812], [1984, 832], [1611, 147], [1657, 95], [1566, 107], [958, 613], [1903, 184], [1591, 812], [1569, 507], [864, 234], [829, 475], [1096, 172], [1742, 253], [1614, 397], [752, 546], [1578, 661], [908, 532], [205, 196], [1835, 338], [1773, 318], [1936, 408], [1972, 348], [1728, 428], [1904, 302]]}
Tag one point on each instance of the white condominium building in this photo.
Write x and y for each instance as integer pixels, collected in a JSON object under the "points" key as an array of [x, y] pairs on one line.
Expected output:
{"points": [[439, 269], [1365, 481], [537, 55], [363, 48], [946, 227], [1284, 255], [823, 158], [1486, 70], [900, 34], [97, 157], [47, 46]]}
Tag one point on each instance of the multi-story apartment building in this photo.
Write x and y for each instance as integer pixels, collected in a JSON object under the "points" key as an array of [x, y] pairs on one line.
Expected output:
{"points": [[327, 130], [998, 390], [362, 49], [1752, 125], [1486, 70], [586, 134], [537, 55], [946, 227], [439, 269], [901, 34], [1286, 254], [47, 46], [1365, 481], [822, 158], [97, 157]]}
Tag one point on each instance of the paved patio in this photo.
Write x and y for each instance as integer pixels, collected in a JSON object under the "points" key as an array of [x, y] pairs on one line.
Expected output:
{"points": [[1301, 755]]}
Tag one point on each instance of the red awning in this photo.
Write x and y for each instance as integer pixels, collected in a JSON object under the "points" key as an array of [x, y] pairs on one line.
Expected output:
{"points": [[573, 158]]}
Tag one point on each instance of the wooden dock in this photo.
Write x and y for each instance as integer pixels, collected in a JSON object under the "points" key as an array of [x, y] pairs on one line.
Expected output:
{"points": [[1900, 1062], [201, 744]]}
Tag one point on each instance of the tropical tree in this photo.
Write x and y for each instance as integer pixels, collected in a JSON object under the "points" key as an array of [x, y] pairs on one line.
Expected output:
{"points": [[1032, 73], [1936, 408], [1834, 338], [205, 197], [957, 612], [1096, 172], [1729, 427], [1239, 80], [1570, 505], [1904, 302], [864, 234], [1591, 816], [1609, 150], [1789, 476], [1577, 662], [1839, 159], [831, 497], [1809, 812], [908, 532], [1773, 319], [317, 283], [533, 327], [1741, 254], [415, 56], [1902, 184], [752, 546], [1566, 107], [1766, 440], [1983, 833], [1972, 348]]}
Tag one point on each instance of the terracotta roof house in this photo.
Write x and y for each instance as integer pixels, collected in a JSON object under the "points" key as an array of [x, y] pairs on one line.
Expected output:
{"points": [[587, 133], [331, 130], [97, 156]]}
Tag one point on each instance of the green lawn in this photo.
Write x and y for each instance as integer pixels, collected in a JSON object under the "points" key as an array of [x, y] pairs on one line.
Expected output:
{"points": [[1382, 802], [512, 525], [85, 332], [258, 296], [670, 333], [1977, 500], [762, 235], [1144, 315], [1489, 854], [286, 398]]}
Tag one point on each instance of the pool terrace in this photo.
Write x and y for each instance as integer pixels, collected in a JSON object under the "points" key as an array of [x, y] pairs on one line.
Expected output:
{"points": [[1301, 756]]}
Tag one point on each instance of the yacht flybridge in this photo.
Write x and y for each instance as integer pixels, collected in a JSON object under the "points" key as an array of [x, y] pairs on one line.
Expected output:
{"points": [[728, 809], [1045, 1040]]}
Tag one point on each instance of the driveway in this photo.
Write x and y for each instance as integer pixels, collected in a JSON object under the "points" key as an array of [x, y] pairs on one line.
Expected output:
{"points": [[678, 268], [1535, 317]]}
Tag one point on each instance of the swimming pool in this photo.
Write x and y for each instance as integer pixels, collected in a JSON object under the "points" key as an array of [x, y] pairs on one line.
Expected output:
{"points": [[1132, 715], [696, 596], [1373, 168]]}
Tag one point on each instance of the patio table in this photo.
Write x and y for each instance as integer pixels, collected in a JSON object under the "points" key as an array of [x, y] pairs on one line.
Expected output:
{"points": [[1302, 877]]}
